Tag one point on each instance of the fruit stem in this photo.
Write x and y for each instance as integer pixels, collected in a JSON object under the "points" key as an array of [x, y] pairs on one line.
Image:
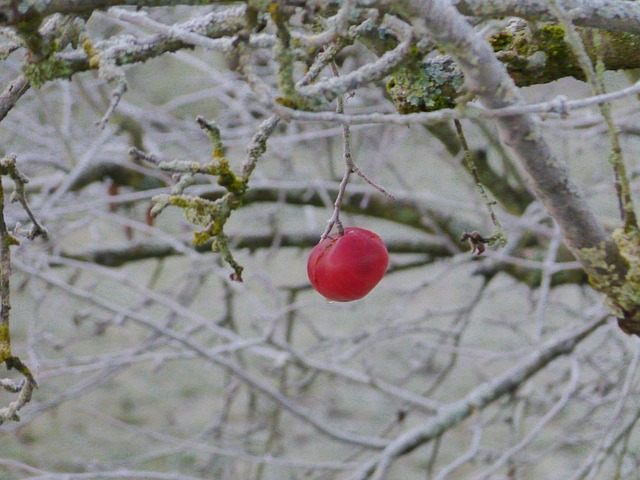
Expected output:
{"points": [[350, 167]]}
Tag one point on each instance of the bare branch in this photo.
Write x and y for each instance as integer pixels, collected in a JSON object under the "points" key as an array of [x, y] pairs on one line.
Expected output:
{"points": [[478, 399], [559, 106], [12, 94], [486, 77]]}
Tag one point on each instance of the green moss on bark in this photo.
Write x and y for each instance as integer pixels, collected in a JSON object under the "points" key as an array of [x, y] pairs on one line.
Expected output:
{"points": [[532, 53], [424, 86], [538, 53]]}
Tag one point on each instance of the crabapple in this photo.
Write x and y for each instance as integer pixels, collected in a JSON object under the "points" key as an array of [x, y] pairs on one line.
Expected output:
{"points": [[347, 267]]}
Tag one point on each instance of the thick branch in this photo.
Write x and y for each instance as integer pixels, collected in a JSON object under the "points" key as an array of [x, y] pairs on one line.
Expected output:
{"points": [[550, 179], [536, 58], [608, 260], [12, 94], [537, 52], [533, 53], [13, 12], [612, 15], [127, 50]]}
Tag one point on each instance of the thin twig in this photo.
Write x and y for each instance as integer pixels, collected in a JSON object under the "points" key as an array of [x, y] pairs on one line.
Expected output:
{"points": [[477, 399], [350, 167], [255, 383], [533, 434], [600, 452], [476, 176]]}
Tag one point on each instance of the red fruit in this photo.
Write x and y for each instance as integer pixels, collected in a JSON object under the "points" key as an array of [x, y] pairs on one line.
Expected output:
{"points": [[345, 268]]}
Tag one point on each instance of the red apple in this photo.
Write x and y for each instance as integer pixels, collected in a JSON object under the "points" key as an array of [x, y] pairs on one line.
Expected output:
{"points": [[347, 267]]}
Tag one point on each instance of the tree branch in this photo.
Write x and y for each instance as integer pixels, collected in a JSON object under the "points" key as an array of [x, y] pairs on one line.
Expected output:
{"points": [[12, 94], [486, 77], [477, 399], [136, 251], [13, 12], [612, 15]]}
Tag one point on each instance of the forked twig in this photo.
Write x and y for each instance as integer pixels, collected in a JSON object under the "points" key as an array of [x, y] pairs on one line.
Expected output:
{"points": [[7, 240]]}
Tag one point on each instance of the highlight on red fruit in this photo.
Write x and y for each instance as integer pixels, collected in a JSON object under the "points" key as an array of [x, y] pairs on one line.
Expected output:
{"points": [[347, 267]]}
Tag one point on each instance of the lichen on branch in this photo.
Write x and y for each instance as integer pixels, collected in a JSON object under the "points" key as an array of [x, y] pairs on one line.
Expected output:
{"points": [[537, 53], [605, 260], [425, 85], [7, 240], [212, 215], [533, 53]]}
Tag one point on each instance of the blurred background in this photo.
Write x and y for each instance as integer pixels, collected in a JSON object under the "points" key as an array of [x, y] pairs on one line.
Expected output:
{"points": [[152, 363]]}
